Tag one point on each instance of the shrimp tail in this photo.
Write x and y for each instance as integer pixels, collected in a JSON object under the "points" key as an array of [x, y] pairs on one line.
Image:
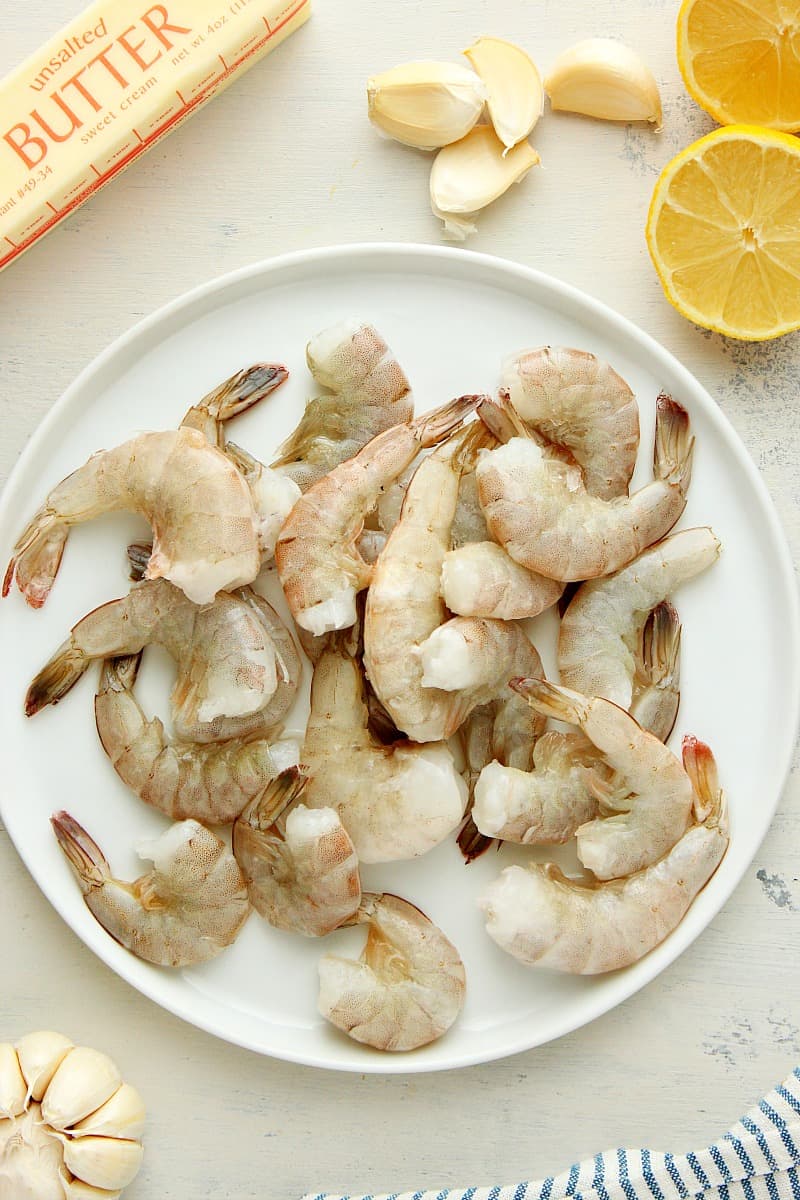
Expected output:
{"points": [[238, 393], [138, 558], [470, 841], [83, 854], [119, 674], [435, 426], [661, 645], [467, 444], [551, 700], [502, 419], [36, 559], [279, 794], [56, 678], [674, 446], [701, 767]]}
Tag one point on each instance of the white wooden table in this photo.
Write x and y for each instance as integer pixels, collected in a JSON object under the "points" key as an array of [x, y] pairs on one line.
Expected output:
{"points": [[286, 159]]}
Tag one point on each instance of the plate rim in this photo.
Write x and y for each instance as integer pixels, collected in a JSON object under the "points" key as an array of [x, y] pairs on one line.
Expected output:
{"points": [[575, 299]]}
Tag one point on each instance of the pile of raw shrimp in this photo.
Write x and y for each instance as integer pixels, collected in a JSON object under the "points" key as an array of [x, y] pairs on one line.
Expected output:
{"points": [[407, 575]]}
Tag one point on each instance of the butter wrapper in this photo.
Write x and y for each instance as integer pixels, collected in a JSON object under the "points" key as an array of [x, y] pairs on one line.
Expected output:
{"points": [[107, 87]]}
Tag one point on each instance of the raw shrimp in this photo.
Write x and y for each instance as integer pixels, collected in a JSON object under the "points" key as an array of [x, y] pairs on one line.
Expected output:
{"points": [[544, 805], [318, 563], [649, 793], [204, 523], [404, 606], [238, 670], [396, 801], [538, 509], [657, 672], [301, 868], [408, 986], [185, 911], [211, 783], [601, 629], [545, 919], [481, 580], [368, 393], [576, 402]]}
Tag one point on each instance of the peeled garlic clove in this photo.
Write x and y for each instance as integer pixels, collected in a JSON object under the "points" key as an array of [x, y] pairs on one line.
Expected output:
{"points": [[602, 78], [13, 1089], [103, 1162], [76, 1189], [426, 104], [40, 1054], [85, 1079], [514, 92], [472, 173], [122, 1116]]}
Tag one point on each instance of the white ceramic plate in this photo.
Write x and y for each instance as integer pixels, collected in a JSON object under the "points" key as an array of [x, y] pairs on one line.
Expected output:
{"points": [[450, 317]]}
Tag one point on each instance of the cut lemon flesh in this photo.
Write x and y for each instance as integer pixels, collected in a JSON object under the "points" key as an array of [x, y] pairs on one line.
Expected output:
{"points": [[723, 231], [740, 59]]}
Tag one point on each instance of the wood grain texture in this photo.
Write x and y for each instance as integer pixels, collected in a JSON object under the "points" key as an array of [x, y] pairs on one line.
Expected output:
{"points": [[284, 160]]}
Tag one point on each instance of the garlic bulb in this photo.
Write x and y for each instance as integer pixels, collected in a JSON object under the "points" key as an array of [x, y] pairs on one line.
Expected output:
{"points": [[472, 173], [514, 92], [426, 104], [83, 1140], [603, 78]]}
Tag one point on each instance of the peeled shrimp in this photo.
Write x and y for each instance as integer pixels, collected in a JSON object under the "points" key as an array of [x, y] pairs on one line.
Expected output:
{"points": [[395, 801], [649, 792], [601, 628], [368, 393], [319, 565], [481, 580], [545, 919], [204, 523], [408, 986], [576, 402], [469, 524], [185, 911], [539, 510], [544, 805], [238, 669], [301, 868], [404, 606], [211, 783]]}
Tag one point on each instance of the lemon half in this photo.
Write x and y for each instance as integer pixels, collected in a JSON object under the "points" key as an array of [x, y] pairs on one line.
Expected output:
{"points": [[740, 59], [723, 231]]}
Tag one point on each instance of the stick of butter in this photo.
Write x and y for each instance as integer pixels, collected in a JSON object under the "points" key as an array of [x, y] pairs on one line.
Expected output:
{"points": [[107, 87]]}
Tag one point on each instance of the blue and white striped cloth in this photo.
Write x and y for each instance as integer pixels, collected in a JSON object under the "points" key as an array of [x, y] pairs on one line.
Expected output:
{"points": [[757, 1159]]}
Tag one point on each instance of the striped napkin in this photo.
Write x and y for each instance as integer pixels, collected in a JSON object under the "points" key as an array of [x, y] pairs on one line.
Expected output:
{"points": [[757, 1159]]}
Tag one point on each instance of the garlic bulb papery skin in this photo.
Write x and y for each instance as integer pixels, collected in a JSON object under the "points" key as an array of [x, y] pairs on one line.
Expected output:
{"points": [[83, 1141], [426, 104], [514, 91], [470, 174], [606, 79]]}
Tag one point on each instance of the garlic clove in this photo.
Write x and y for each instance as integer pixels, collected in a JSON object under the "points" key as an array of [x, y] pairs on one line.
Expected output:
{"points": [[603, 78], [40, 1054], [426, 104], [472, 173], [85, 1079], [76, 1189], [13, 1089], [103, 1162], [122, 1116], [514, 92]]}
